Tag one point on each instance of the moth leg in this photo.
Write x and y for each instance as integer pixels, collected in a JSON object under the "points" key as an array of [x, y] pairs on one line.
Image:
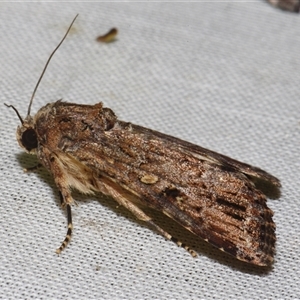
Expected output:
{"points": [[70, 224], [34, 168], [120, 197], [171, 238]]}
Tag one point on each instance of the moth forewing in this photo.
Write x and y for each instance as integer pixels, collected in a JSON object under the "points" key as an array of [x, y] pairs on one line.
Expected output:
{"points": [[87, 148]]}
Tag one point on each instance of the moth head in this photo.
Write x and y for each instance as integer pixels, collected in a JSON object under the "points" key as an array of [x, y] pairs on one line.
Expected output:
{"points": [[26, 133]]}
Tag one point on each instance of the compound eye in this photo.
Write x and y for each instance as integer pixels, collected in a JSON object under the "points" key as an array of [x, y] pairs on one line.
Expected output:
{"points": [[29, 139]]}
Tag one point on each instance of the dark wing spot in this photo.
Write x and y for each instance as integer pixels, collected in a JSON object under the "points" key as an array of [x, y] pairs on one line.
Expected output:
{"points": [[172, 192], [234, 206], [65, 120]]}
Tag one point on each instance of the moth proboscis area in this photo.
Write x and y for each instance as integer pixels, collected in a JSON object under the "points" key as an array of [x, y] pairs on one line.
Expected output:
{"points": [[86, 147]]}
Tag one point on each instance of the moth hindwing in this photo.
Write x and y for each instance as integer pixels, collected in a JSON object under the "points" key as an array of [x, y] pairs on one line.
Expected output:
{"points": [[87, 148]]}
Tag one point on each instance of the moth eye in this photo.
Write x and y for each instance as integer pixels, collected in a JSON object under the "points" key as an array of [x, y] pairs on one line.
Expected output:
{"points": [[29, 139]]}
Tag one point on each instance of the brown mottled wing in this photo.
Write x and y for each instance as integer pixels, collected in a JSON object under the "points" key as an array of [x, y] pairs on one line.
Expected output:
{"points": [[214, 157], [207, 193]]}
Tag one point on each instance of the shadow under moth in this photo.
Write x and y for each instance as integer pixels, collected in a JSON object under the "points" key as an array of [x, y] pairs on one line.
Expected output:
{"points": [[85, 147]]}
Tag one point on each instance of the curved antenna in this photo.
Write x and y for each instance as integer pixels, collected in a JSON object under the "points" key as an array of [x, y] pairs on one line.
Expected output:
{"points": [[11, 106], [47, 63]]}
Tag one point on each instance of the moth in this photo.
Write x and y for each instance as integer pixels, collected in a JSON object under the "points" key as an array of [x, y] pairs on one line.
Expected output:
{"points": [[87, 148], [108, 37]]}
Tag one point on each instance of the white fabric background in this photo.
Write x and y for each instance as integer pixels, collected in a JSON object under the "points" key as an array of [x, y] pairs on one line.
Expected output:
{"points": [[224, 75]]}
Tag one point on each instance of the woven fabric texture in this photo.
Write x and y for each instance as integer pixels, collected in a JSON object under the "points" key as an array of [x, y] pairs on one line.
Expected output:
{"points": [[224, 75]]}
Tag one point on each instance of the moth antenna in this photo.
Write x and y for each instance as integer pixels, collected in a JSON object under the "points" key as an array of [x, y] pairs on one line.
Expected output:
{"points": [[11, 106], [47, 63]]}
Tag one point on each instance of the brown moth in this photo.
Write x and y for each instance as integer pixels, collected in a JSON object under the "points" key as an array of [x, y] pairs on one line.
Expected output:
{"points": [[108, 37], [87, 148]]}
